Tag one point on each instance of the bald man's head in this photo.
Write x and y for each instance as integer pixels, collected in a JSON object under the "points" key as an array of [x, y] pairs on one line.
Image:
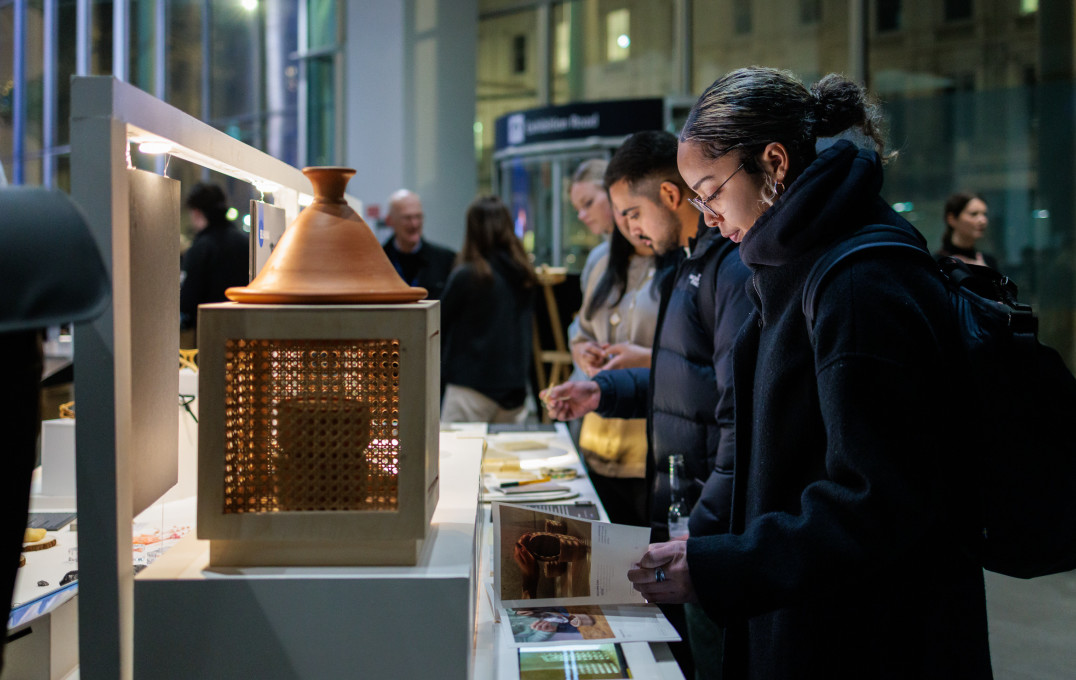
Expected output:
{"points": [[405, 218]]}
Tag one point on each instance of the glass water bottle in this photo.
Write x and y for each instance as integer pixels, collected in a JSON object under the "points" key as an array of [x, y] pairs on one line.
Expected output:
{"points": [[678, 508]]}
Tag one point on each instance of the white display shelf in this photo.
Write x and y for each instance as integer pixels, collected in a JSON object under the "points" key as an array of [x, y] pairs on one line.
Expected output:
{"points": [[309, 622]]}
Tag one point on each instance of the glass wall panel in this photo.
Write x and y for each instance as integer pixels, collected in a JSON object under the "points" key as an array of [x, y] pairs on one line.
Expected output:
{"points": [[7, 87], [613, 49], [183, 79], [34, 71], [236, 76], [141, 55], [966, 115], [807, 37], [502, 85], [321, 18], [101, 38], [65, 66], [321, 111]]}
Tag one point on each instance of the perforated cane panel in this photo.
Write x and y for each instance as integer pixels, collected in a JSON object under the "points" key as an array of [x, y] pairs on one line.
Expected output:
{"points": [[311, 425]]}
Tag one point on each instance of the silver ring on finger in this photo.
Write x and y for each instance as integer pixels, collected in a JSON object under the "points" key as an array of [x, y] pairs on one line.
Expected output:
{"points": [[659, 575]]}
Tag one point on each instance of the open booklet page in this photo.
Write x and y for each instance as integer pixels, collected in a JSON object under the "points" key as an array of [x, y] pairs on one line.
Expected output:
{"points": [[542, 559], [585, 623]]}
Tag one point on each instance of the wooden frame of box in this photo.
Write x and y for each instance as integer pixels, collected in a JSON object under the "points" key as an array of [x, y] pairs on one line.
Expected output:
{"points": [[288, 473]]}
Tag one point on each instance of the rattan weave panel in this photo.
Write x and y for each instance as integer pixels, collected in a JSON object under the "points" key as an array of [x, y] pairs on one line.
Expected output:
{"points": [[311, 425]]}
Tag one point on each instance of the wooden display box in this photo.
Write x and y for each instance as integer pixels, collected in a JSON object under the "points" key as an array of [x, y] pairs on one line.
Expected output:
{"points": [[318, 432]]}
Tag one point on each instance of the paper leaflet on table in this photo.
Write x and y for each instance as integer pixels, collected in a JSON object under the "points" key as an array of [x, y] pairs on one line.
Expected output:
{"points": [[574, 624], [543, 559]]}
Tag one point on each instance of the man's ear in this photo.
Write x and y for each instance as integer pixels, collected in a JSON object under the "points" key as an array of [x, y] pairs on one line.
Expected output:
{"points": [[670, 195], [774, 160]]}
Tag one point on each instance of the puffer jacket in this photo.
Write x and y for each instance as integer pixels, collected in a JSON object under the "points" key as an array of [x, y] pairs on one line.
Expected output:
{"points": [[687, 392]]}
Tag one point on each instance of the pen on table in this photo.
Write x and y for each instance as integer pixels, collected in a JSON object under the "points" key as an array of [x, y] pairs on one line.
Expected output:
{"points": [[505, 485]]}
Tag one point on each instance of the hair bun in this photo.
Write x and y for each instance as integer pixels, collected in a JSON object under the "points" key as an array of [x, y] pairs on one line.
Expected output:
{"points": [[838, 104]]}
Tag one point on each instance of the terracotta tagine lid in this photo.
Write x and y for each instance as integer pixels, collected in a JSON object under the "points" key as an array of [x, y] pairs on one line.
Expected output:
{"points": [[327, 255]]}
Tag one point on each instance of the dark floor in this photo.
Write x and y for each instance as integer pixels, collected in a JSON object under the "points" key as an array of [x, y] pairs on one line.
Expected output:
{"points": [[1032, 626]]}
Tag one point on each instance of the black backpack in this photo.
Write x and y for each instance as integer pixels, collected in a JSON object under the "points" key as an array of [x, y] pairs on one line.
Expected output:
{"points": [[1026, 396]]}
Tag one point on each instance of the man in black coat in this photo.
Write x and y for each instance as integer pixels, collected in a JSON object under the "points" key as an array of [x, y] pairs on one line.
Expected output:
{"points": [[686, 395], [219, 257], [417, 261]]}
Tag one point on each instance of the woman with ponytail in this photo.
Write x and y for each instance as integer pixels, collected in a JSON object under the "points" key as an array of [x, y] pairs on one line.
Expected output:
{"points": [[844, 557]]}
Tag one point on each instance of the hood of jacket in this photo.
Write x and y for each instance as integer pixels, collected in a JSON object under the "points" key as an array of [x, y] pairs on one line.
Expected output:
{"points": [[834, 195]]}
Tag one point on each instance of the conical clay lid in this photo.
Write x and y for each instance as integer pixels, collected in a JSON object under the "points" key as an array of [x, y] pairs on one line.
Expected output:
{"points": [[327, 255]]}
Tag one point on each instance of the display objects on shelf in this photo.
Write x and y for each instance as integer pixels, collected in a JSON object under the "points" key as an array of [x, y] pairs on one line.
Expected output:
{"points": [[319, 387]]}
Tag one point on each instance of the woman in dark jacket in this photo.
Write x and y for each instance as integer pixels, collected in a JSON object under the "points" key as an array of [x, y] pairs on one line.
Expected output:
{"points": [[965, 224], [845, 557], [486, 321]]}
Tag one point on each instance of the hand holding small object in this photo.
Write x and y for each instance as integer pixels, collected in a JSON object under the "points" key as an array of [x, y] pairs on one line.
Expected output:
{"points": [[588, 356], [662, 574], [571, 400]]}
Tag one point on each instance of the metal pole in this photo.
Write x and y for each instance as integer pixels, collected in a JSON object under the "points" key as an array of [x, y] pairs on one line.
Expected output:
{"points": [[858, 25], [48, 99], [82, 37], [121, 39], [303, 99], [18, 95], [207, 35], [686, 41], [544, 38], [160, 71]]}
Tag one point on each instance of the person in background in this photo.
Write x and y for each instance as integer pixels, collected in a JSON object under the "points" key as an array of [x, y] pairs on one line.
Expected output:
{"points": [[588, 196], [965, 223], [486, 321], [616, 330], [844, 557], [218, 258], [417, 261], [689, 399]]}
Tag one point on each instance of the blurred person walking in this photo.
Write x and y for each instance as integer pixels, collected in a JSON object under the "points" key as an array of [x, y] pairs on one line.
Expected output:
{"points": [[218, 258], [486, 321]]}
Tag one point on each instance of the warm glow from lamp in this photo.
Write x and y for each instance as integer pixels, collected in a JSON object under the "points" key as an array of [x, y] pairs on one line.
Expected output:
{"points": [[154, 148]]}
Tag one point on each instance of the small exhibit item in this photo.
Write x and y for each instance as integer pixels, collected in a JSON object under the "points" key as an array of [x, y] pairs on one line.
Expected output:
{"points": [[582, 662], [540, 480], [37, 539]]}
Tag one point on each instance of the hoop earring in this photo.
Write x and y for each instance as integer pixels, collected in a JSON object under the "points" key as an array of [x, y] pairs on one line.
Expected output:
{"points": [[776, 191]]}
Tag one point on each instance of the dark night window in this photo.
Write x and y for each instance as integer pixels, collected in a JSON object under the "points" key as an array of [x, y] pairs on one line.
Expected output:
{"points": [[741, 17], [888, 15], [957, 10], [810, 11], [519, 54]]}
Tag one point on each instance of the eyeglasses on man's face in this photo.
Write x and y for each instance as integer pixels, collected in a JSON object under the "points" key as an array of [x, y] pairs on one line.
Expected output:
{"points": [[703, 204]]}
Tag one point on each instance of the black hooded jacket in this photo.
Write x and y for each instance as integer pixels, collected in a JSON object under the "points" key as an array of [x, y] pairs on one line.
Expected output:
{"points": [[843, 559]]}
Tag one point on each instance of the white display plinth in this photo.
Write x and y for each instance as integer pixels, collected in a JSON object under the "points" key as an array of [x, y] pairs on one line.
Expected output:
{"points": [[327, 622]]}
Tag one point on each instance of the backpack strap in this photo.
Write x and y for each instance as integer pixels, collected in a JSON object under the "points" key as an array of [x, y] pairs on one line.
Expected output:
{"points": [[870, 237]]}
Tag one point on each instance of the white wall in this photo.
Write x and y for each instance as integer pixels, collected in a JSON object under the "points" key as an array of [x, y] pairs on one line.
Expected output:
{"points": [[410, 106]]}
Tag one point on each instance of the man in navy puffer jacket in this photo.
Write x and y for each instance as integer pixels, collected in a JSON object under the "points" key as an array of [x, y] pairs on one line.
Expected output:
{"points": [[686, 395]]}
